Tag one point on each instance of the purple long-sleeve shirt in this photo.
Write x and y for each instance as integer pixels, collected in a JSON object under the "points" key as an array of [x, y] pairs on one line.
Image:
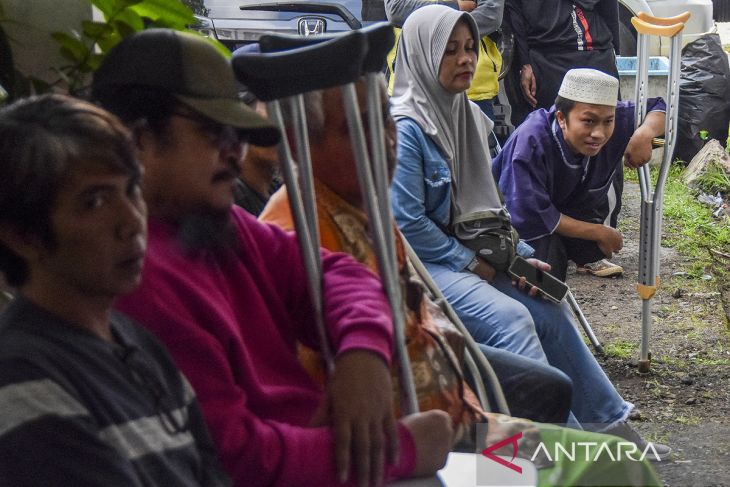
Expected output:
{"points": [[541, 178]]}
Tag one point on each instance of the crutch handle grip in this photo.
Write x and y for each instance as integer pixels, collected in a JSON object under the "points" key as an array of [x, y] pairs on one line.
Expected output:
{"points": [[643, 27], [677, 19], [380, 40], [271, 76]]}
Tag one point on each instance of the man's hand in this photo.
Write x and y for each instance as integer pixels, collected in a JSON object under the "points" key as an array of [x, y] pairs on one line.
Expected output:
{"points": [[609, 240], [467, 5], [638, 150], [359, 408], [528, 84], [433, 437], [485, 270], [521, 283]]}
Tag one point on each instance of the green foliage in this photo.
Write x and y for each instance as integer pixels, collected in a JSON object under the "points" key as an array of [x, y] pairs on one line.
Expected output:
{"points": [[690, 228], [621, 349], [714, 179], [86, 47], [704, 134]]}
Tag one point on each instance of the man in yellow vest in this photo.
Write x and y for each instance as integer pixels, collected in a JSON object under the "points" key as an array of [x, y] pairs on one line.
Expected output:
{"points": [[488, 14]]}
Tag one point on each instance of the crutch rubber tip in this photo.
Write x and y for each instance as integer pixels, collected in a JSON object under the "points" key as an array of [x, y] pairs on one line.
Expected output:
{"points": [[599, 349], [644, 366]]}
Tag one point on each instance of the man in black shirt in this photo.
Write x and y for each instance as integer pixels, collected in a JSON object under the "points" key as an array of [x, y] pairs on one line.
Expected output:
{"points": [[554, 36], [87, 398]]}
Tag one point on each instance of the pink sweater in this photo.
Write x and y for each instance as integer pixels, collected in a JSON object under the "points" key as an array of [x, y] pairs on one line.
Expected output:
{"points": [[232, 330]]}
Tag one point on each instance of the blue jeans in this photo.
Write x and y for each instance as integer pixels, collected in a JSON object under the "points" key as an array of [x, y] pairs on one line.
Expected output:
{"points": [[502, 316]]}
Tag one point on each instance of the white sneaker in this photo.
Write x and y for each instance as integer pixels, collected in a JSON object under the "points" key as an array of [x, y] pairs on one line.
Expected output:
{"points": [[602, 268]]}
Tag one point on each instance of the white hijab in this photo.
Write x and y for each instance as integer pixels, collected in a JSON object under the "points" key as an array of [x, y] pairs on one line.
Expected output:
{"points": [[457, 126]]}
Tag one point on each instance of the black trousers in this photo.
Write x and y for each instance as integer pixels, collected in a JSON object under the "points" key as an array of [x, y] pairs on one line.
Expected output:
{"points": [[533, 390], [556, 250]]}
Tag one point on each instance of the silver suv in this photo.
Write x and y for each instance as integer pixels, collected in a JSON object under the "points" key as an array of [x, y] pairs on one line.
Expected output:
{"points": [[238, 22]]}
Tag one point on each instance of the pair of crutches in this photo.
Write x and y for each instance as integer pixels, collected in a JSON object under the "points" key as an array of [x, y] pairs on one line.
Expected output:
{"points": [[651, 200], [290, 66]]}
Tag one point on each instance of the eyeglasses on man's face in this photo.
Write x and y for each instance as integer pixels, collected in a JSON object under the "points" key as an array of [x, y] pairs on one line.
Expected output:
{"points": [[220, 135]]}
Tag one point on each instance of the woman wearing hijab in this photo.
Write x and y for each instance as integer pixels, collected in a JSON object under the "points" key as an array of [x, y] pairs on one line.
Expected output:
{"points": [[443, 175]]}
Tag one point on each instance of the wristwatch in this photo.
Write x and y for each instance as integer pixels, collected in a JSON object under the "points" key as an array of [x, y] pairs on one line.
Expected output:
{"points": [[473, 264]]}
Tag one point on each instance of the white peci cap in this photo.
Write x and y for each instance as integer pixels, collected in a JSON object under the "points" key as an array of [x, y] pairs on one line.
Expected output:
{"points": [[589, 86]]}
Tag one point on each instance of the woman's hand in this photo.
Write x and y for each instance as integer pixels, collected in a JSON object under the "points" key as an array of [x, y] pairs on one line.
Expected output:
{"points": [[522, 284], [484, 270]]}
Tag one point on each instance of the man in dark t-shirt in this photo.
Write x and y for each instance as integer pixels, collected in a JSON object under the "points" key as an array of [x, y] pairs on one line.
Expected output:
{"points": [[88, 398], [554, 36]]}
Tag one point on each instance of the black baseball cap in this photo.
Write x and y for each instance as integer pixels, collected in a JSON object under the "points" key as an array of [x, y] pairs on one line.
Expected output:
{"points": [[190, 68]]}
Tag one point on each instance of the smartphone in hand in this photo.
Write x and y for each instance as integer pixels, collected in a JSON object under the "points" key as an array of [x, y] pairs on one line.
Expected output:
{"points": [[550, 286]]}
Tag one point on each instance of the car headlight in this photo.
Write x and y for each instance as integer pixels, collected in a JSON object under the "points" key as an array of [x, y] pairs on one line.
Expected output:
{"points": [[205, 26]]}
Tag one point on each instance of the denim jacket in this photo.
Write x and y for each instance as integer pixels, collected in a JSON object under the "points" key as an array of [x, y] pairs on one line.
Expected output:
{"points": [[421, 199]]}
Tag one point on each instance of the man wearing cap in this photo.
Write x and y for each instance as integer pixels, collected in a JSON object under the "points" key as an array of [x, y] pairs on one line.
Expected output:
{"points": [[561, 174], [228, 295]]}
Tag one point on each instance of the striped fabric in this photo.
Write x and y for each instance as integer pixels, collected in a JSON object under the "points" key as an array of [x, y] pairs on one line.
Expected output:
{"points": [[78, 410]]}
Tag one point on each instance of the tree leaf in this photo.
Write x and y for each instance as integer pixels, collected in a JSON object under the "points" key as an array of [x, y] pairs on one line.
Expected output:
{"points": [[131, 18], [171, 13], [111, 7], [71, 47], [107, 44], [95, 61], [96, 30], [107, 7]]}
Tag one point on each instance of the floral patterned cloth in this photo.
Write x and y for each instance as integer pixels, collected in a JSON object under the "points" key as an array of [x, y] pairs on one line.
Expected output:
{"points": [[435, 346]]}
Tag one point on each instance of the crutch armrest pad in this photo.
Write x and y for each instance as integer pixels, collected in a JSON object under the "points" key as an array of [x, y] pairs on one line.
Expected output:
{"points": [[275, 75], [677, 19], [380, 39], [643, 27]]}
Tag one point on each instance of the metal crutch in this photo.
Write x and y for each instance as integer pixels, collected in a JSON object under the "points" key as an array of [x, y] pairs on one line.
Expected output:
{"points": [[583, 321], [651, 201], [374, 174], [388, 272], [270, 78], [374, 82], [379, 41]]}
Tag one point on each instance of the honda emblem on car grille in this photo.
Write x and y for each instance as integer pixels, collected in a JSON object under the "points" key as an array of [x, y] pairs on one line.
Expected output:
{"points": [[309, 26]]}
